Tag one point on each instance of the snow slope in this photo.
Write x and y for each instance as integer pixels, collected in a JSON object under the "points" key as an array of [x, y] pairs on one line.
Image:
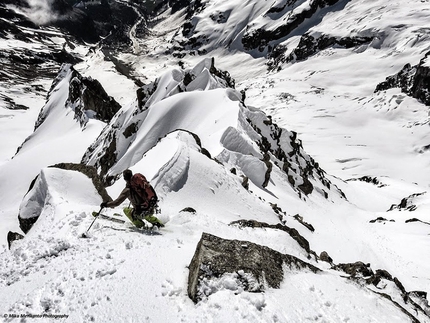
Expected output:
{"points": [[327, 99]]}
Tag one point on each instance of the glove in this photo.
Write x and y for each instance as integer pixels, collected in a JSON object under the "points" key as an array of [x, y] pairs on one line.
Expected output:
{"points": [[103, 205]]}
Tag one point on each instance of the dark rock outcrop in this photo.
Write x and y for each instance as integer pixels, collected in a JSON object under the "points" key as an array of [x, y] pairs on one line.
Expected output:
{"points": [[406, 203], [380, 219], [412, 80], [324, 256], [13, 236], [215, 257], [27, 224], [89, 99], [355, 270], [261, 38], [368, 179], [309, 226], [416, 220], [309, 45], [287, 153], [86, 98], [413, 306], [189, 210], [291, 231]]}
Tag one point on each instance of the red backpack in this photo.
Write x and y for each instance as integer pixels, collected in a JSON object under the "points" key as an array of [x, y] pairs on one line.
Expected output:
{"points": [[144, 190]]}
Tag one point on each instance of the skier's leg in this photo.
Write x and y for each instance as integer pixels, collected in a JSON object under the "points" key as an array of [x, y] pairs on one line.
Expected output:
{"points": [[128, 211]]}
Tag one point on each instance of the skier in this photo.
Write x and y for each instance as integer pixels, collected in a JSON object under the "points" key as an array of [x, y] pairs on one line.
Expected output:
{"points": [[142, 197]]}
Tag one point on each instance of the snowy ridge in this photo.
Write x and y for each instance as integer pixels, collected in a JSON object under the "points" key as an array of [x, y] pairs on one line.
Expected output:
{"points": [[46, 197], [344, 189], [173, 174], [229, 131]]}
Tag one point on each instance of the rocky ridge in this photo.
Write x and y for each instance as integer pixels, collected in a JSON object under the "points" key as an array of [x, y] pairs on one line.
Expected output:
{"points": [[412, 80]]}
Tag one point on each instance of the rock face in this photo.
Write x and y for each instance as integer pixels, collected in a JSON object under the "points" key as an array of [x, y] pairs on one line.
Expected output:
{"points": [[86, 97], [407, 203], [413, 80], [310, 45], [261, 38], [263, 32], [23, 66], [411, 303], [256, 264]]}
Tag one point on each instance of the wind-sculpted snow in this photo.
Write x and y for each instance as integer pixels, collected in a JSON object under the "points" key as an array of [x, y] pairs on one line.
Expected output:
{"points": [[232, 133], [260, 159], [50, 189], [172, 176], [141, 120], [57, 138]]}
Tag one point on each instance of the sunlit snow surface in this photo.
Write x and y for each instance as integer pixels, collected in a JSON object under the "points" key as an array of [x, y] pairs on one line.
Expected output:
{"points": [[121, 275]]}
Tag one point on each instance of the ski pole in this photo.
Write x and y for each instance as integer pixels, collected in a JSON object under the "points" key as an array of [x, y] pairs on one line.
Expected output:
{"points": [[95, 218]]}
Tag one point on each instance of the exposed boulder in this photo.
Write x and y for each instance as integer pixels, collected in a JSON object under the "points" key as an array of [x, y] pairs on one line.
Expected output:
{"points": [[412, 80], [380, 274], [324, 256], [355, 270], [278, 210], [13, 236], [189, 210], [253, 265]]}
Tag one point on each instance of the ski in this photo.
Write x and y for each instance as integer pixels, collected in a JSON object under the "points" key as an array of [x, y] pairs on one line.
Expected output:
{"points": [[110, 218], [149, 231]]}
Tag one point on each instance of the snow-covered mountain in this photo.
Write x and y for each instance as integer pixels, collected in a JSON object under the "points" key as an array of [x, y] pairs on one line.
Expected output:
{"points": [[287, 141]]}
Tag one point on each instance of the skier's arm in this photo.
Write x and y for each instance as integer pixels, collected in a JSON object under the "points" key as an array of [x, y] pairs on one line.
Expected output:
{"points": [[121, 198]]}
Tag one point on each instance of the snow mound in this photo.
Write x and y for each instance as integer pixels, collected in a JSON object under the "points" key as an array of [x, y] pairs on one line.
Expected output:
{"points": [[51, 193]]}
